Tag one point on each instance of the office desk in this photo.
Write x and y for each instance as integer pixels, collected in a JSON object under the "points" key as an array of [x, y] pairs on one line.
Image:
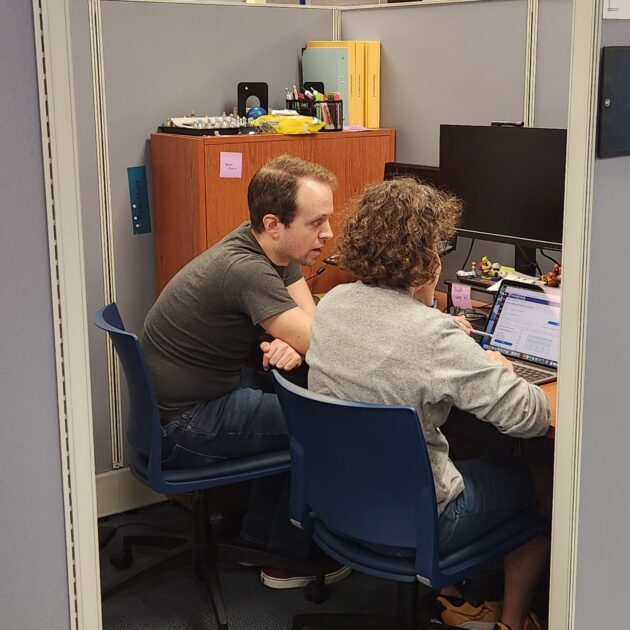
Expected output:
{"points": [[550, 389]]}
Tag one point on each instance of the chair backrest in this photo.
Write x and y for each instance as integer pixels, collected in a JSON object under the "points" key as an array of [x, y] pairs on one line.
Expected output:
{"points": [[143, 426], [362, 469]]}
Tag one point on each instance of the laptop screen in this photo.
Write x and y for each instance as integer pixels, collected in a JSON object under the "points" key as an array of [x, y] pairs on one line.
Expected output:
{"points": [[525, 323]]}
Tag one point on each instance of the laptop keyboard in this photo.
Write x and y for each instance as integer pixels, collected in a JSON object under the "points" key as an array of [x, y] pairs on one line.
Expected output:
{"points": [[531, 375]]}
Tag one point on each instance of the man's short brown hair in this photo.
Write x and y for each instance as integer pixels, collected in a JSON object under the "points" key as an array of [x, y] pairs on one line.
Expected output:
{"points": [[273, 189], [393, 236]]}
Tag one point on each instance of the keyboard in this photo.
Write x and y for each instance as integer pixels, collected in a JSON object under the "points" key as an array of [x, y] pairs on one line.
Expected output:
{"points": [[531, 374]]}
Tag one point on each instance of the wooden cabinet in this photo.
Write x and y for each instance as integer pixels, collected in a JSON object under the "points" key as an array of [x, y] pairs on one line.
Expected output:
{"points": [[193, 207]]}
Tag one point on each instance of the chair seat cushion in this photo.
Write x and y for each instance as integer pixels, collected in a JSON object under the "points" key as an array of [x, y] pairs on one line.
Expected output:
{"points": [[361, 557], [453, 566], [180, 480]]}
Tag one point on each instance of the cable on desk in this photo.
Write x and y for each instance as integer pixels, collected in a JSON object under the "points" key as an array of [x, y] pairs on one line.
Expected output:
{"points": [[531, 262], [553, 260], [472, 242]]}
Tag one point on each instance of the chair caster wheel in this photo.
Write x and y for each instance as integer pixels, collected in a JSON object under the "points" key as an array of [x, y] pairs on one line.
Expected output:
{"points": [[122, 560], [316, 593]]}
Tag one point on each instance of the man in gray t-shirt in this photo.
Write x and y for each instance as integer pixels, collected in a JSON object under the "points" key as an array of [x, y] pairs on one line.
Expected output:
{"points": [[198, 335]]}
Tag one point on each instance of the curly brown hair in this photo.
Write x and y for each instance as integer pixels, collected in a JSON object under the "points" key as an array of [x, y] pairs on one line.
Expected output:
{"points": [[394, 233], [274, 188]]}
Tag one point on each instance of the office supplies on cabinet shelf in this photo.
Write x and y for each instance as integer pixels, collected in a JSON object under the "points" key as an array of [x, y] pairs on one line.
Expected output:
{"points": [[245, 90], [330, 112], [288, 125], [192, 125], [326, 54], [330, 66]]}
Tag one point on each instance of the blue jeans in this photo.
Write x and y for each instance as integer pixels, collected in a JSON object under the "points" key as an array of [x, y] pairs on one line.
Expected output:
{"points": [[247, 421], [495, 489]]}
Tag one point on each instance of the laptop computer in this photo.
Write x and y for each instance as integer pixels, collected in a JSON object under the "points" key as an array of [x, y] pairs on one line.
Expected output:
{"points": [[524, 326]]}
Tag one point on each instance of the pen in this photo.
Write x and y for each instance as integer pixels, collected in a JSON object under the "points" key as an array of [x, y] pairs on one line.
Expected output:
{"points": [[480, 333]]}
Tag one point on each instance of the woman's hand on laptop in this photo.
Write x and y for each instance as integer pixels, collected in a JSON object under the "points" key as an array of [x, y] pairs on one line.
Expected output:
{"points": [[499, 358], [463, 323]]}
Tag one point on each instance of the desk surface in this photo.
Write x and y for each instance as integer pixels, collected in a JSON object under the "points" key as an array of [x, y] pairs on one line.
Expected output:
{"points": [[550, 389]]}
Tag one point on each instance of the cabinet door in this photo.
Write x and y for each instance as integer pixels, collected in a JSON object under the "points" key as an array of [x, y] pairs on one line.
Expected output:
{"points": [[226, 198], [179, 212], [356, 160]]}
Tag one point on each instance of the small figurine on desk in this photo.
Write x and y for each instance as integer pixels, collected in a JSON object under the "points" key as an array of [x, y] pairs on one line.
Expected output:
{"points": [[495, 271], [486, 269], [554, 277]]}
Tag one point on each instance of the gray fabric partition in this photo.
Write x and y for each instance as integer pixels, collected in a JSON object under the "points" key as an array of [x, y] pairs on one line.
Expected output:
{"points": [[604, 512], [164, 59], [553, 63], [33, 580], [168, 60], [459, 63]]}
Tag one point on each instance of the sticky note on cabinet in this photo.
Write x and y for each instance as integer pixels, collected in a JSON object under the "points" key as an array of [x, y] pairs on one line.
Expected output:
{"points": [[231, 164], [460, 295]]}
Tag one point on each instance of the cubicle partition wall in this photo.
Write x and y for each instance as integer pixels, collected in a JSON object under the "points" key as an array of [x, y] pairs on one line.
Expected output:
{"points": [[170, 60], [604, 503], [150, 61], [447, 62], [552, 63], [34, 582], [459, 63]]}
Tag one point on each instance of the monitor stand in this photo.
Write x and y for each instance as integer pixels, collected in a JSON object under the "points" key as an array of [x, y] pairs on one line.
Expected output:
{"points": [[525, 260]]}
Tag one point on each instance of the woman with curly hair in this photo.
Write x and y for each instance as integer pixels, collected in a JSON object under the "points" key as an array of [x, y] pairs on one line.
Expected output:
{"points": [[379, 340]]}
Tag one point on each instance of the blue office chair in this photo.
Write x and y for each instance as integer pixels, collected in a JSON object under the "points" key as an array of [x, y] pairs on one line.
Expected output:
{"points": [[144, 437], [361, 474]]}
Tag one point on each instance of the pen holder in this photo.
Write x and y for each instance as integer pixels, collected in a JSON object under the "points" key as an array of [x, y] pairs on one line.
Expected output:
{"points": [[329, 112]]}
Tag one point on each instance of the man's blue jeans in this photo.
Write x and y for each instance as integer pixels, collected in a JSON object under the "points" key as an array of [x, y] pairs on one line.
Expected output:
{"points": [[247, 421]]}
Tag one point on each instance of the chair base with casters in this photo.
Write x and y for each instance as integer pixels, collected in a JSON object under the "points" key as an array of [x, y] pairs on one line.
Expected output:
{"points": [[144, 437], [202, 553]]}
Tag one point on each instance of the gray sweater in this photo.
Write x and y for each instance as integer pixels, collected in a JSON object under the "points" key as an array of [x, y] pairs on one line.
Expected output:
{"points": [[375, 344]]}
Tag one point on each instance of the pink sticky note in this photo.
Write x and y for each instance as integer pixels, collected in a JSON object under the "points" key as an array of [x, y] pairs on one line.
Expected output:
{"points": [[231, 164], [460, 295]]}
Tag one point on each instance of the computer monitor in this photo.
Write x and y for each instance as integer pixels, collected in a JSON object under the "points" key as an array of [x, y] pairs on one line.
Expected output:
{"points": [[510, 179], [427, 174]]}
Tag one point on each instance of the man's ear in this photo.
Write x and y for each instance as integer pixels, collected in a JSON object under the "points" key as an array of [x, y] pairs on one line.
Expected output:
{"points": [[271, 223]]}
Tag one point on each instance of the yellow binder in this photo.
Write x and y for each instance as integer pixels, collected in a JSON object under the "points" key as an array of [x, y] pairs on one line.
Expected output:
{"points": [[373, 84]]}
